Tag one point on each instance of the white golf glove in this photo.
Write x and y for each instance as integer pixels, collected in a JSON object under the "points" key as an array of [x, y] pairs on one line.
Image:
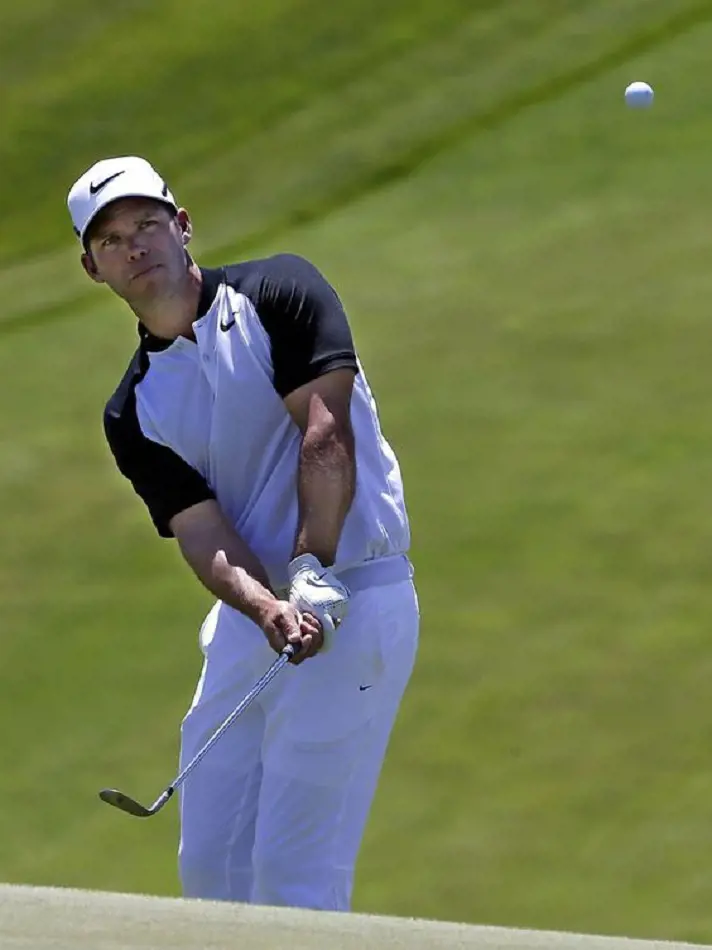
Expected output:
{"points": [[314, 589]]}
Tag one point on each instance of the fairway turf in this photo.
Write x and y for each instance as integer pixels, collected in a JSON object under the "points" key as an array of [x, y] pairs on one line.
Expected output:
{"points": [[526, 265]]}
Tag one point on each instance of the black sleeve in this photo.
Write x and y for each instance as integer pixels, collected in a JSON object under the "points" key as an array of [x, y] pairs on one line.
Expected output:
{"points": [[165, 482], [304, 318]]}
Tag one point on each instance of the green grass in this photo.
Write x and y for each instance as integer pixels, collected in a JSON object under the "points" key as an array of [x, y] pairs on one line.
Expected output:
{"points": [[526, 265]]}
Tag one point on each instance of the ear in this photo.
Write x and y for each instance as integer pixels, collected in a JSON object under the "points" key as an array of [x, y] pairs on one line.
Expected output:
{"points": [[89, 265], [185, 225]]}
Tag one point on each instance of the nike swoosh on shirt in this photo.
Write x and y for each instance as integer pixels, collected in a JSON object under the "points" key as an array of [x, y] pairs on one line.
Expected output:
{"points": [[95, 189]]}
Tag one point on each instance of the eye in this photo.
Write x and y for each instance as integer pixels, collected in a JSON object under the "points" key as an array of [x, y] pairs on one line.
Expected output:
{"points": [[109, 240], [147, 223]]}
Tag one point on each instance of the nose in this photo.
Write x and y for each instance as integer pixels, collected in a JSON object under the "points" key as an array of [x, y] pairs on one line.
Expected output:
{"points": [[136, 249]]}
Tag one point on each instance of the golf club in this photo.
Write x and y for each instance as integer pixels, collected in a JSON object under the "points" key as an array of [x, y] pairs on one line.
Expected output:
{"points": [[113, 797]]}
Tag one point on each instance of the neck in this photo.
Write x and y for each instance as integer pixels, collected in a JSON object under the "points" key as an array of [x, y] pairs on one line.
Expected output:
{"points": [[173, 315]]}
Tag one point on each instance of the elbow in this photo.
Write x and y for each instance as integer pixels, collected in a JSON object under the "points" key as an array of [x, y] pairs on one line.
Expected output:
{"points": [[329, 452], [329, 438]]}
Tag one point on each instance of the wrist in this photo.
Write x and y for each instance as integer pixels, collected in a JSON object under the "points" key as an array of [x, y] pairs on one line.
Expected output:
{"points": [[304, 562], [258, 606], [323, 552], [244, 592]]}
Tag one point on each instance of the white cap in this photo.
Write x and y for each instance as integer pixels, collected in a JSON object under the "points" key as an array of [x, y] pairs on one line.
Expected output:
{"points": [[109, 179]]}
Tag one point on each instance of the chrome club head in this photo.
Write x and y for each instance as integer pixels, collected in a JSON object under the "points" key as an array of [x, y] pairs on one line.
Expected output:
{"points": [[119, 800], [116, 798]]}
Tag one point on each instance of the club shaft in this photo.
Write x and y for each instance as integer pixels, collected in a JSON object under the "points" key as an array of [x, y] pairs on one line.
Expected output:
{"points": [[254, 692]]}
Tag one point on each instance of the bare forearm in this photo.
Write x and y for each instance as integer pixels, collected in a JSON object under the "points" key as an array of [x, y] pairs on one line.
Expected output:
{"points": [[224, 564], [327, 483], [246, 588]]}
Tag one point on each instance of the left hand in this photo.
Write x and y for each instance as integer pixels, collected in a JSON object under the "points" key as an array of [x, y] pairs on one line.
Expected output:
{"points": [[283, 624], [317, 591]]}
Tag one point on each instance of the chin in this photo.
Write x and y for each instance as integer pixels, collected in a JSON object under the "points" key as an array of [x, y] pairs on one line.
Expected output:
{"points": [[154, 283]]}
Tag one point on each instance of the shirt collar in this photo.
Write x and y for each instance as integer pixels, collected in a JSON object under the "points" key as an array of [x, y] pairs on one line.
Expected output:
{"points": [[212, 277]]}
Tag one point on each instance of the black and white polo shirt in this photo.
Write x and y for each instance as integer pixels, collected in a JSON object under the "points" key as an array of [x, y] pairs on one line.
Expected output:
{"points": [[193, 420]]}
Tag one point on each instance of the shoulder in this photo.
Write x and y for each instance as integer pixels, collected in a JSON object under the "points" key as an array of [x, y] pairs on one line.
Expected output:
{"points": [[284, 263], [278, 273], [167, 483], [122, 428], [122, 398], [301, 314], [287, 287]]}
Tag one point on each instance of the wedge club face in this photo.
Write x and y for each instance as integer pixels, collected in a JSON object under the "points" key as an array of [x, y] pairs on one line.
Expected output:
{"points": [[113, 797], [116, 798]]}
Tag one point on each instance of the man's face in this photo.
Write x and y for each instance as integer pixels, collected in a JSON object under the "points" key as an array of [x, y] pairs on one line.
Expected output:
{"points": [[137, 247]]}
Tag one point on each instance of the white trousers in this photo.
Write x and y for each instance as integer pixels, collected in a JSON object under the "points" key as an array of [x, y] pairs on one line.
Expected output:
{"points": [[276, 811]]}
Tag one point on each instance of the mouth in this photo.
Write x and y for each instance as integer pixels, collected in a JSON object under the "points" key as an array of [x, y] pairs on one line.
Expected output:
{"points": [[145, 271]]}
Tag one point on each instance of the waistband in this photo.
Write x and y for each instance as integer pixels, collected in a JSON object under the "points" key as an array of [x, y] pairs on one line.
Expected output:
{"points": [[380, 572]]}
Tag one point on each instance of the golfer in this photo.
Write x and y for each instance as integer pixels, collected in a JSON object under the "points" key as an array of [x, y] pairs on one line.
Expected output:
{"points": [[245, 424]]}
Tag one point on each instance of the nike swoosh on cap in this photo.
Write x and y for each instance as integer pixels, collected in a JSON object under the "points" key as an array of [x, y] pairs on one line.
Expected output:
{"points": [[95, 189]]}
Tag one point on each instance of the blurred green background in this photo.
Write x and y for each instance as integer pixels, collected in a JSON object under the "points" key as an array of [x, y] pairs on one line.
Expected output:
{"points": [[526, 265]]}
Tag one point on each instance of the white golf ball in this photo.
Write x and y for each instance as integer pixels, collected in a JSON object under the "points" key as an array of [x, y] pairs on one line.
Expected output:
{"points": [[639, 95]]}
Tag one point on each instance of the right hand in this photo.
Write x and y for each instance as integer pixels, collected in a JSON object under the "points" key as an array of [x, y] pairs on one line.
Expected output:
{"points": [[282, 624]]}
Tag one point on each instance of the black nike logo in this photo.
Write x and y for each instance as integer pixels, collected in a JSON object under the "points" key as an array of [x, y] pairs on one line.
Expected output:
{"points": [[226, 324], [95, 189], [362, 688]]}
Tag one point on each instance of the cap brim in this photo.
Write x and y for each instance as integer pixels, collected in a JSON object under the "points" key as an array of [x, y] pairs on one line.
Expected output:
{"points": [[116, 194]]}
